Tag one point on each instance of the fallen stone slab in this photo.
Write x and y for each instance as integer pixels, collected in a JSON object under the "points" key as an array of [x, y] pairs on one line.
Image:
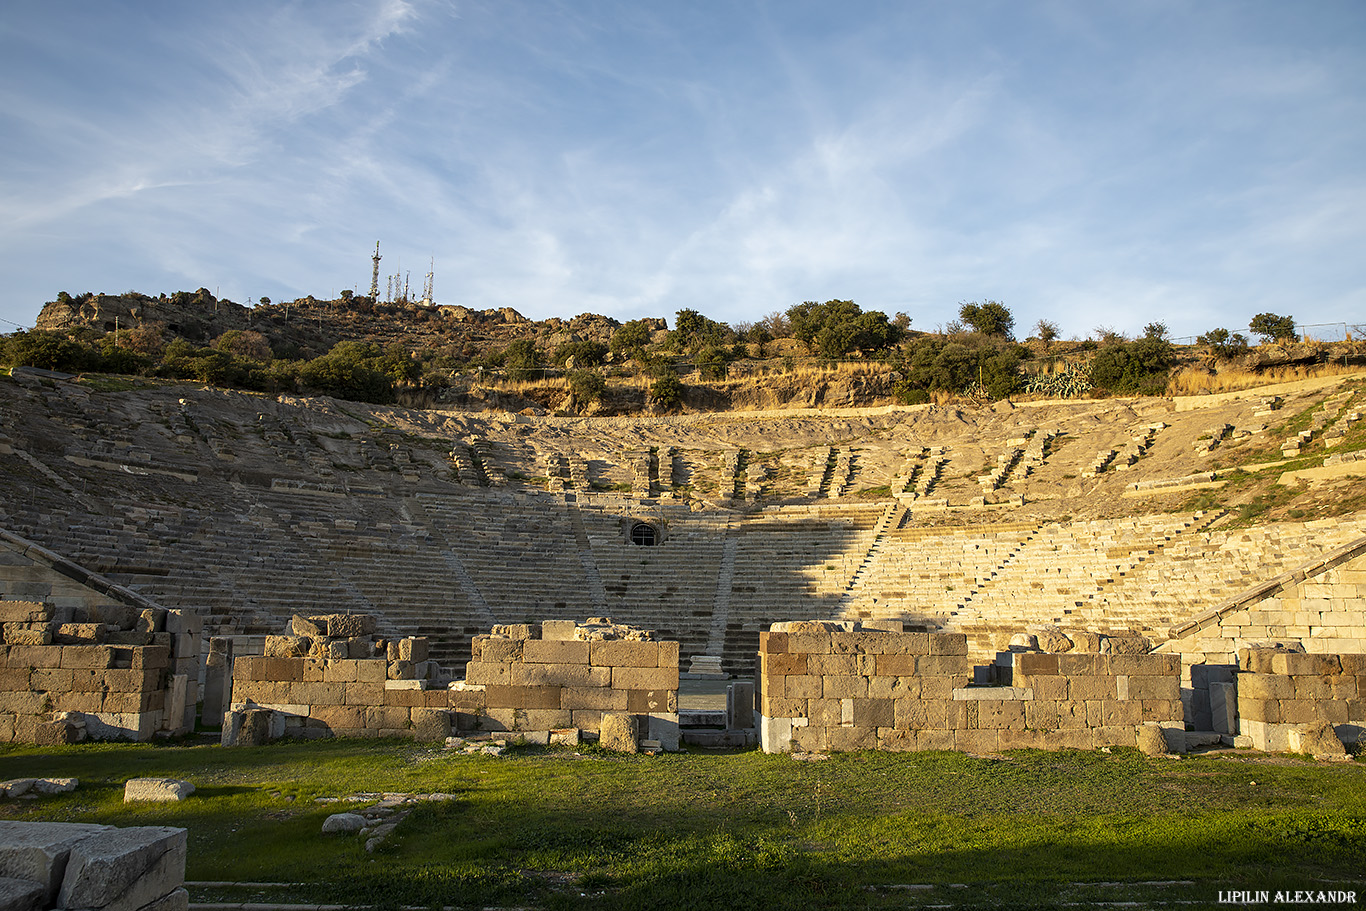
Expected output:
{"points": [[124, 869], [156, 790], [38, 851]]}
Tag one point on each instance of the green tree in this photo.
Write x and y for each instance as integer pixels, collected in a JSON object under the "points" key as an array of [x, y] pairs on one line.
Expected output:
{"points": [[990, 318], [48, 350], [1273, 328], [1046, 331], [838, 327], [585, 353]]}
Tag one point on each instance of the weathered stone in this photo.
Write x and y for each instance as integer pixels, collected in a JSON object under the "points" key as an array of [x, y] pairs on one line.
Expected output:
{"points": [[124, 868], [38, 851], [345, 626], [1223, 703], [431, 725], [310, 627], [20, 894], [55, 733], [1318, 739], [1125, 645], [156, 790], [619, 733], [49, 786], [344, 824], [1151, 741]]}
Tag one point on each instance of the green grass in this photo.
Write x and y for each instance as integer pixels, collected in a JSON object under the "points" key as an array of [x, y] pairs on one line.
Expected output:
{"points": [[554, 829]]}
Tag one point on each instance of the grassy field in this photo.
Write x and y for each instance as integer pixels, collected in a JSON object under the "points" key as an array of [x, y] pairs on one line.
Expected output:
{"points": [[558, 828]]}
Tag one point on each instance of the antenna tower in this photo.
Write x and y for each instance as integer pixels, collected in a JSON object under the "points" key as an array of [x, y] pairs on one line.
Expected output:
{"points": [[374, 274], [428, 299]]}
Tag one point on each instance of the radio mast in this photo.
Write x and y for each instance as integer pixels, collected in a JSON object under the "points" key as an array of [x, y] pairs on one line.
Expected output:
{"points": [[374, 274]]}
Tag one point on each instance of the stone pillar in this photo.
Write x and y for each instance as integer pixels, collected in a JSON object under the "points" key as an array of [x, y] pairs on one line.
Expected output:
{"points": [[217, 680]]}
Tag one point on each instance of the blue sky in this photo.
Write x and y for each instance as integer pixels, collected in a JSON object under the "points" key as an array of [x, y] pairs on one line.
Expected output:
{"points": [[1092, 163]]}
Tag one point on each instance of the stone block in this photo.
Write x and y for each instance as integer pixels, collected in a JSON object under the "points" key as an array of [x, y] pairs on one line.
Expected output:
{"points": [[343, 671], [25, 612], [857, 643], [903, 665], [622, 653], [814, 643], [883, 687], [491, 674], [1083, 665], [565, 675], [955, 644], [89, 656], [1317, 739], [529, 697], [934, 739], [844, 687], [663, 728], [389, 717], [1265, 686], [619, 732], [358, 647], [20, 894], [1308, 665], [1299, 711], [1000, 715], [363, 693], [782, 665], [832, 665], [847, 738], [32, 656], [557, 630], [124, 868], [156, 790], [874, 713], [39, 851], [345, 626], [810, 738], [1223, 702], [585, 719], [892, 740], [1086, 689], [400, 670], [23, 634], [668, 654], [555, 651], [643, 702], [338, 717], [431, 725], [287, 646], [513, 630], [771, 643], [781, 707], [1031, 664], [1153, 688], [1012, 739], [496, 649], [944, 666], [644, 678], [977, 741]]}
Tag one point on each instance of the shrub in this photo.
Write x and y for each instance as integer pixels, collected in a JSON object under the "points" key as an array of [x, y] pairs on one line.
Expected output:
{"points": [[666, 393], [1222, 343], [586, 385], [1133, 367]]}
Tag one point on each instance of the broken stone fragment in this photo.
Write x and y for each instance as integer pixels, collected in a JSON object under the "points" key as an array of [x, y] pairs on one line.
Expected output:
{"points": [[156, 790]]}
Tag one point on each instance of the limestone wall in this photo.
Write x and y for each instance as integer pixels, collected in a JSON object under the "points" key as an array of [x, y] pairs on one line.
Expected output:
{"points": [[333, 676], [105, 672], [567, 675], [1280, 693], [851, 686]]}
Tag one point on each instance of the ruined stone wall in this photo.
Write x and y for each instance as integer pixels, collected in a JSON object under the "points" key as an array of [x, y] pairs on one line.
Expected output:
{"points": [[566, 675], [851, 686], [1281, 693], [105, 672], [1321, 606], [332, 676]]}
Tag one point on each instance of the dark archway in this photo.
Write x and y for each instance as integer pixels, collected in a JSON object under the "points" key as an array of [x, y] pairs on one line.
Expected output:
{"points": [[644, 534]]}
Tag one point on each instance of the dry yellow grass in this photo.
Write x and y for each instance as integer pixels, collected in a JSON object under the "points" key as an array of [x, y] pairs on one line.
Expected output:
{"points": [[1199, 381]]}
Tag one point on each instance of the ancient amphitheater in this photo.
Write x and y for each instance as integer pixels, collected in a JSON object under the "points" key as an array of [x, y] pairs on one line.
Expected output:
{"points": [[705, 528]]}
